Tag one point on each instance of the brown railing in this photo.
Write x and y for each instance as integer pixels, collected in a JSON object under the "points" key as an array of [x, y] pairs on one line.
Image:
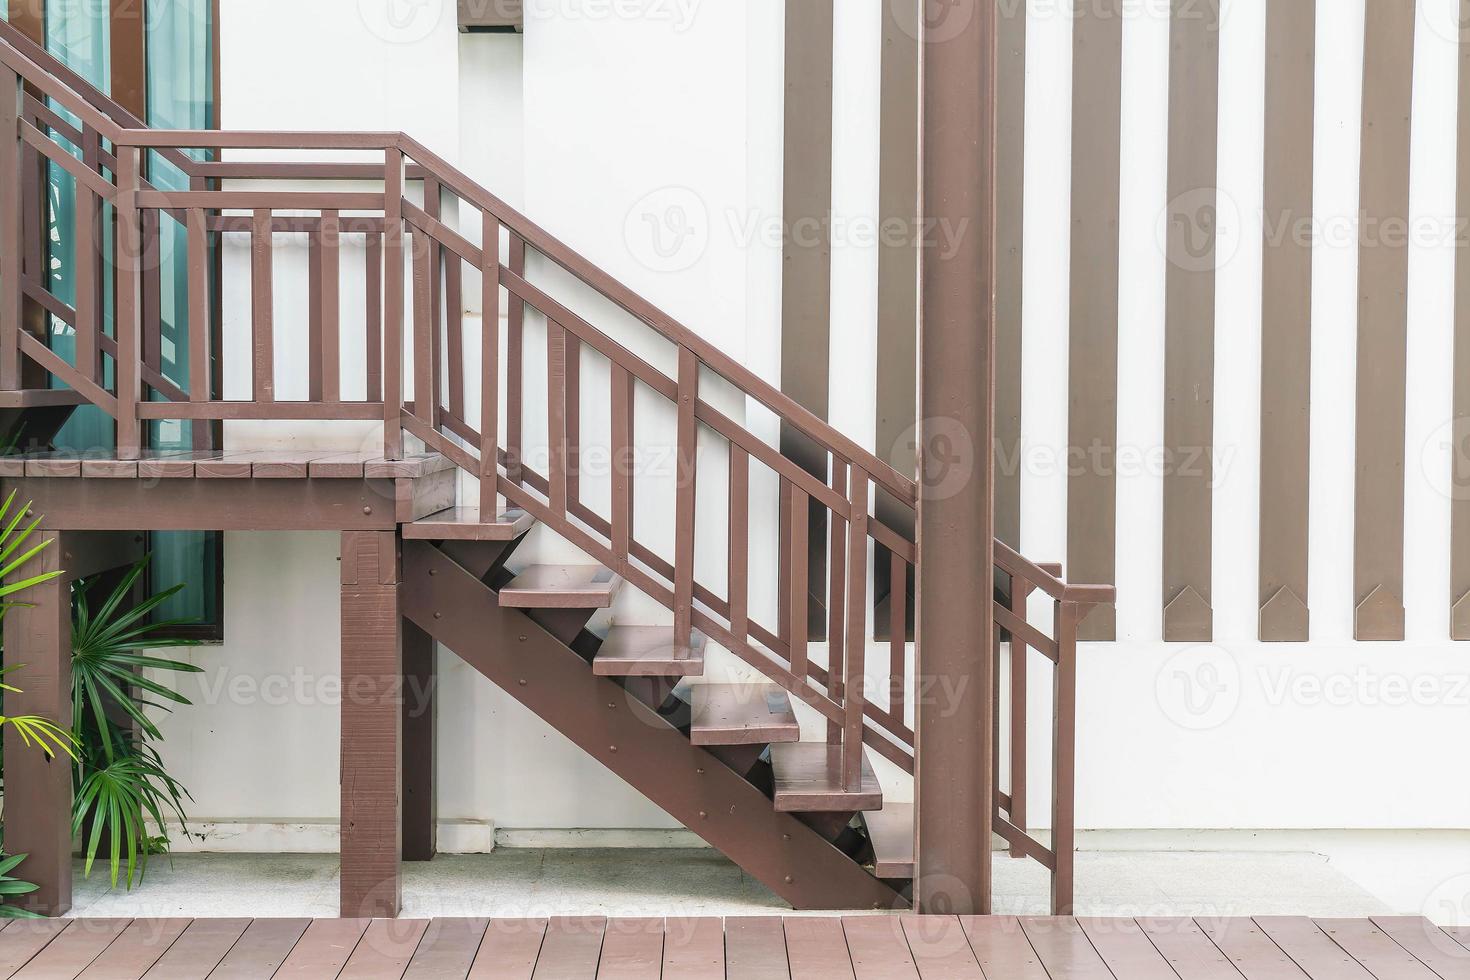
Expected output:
{"points": [[415, 376]]}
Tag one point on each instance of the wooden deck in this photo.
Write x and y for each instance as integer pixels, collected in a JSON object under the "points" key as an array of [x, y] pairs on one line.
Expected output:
{"points": [[859, 947]]}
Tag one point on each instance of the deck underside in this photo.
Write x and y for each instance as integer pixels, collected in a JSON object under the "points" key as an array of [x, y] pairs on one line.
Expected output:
{"points": [[762, 948]]}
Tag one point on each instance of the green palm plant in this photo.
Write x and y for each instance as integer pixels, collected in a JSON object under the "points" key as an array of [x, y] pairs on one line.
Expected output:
{"points": [[121, 782]]}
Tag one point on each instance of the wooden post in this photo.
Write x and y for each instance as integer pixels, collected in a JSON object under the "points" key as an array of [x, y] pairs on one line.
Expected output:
{"points": [[372, 728], [419, 753], [953, 781]]}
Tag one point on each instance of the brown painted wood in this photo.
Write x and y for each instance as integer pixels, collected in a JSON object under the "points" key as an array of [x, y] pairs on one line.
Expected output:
{"points": [[262, 254], [1249, 948], [1461, 934], [1126, 949], [891, 833], [632, 949], [195, 953], [1383, 273], [878, 948], [686, 456], [940, 948], [809, 779], [1001, 947], [261, 949], [372, 747], [648, 651], [1310, 948], [489, 362], [1189, 328], [1064, 949], [136, 950], [1189, 951], [1286, 320], [324, 949], [24, 938], [385, 949], [796, 568], [571, 948], [509, 950], [741, 714], [127, 304], [817, 949], [1379, 954], [420, 748], [561, 587], [447, 949], [694, 948], [851, 655], [74, 950], [393, 302], [465, 524], [755, 948], [1428, 944], [12, 232], [1460, 449]]}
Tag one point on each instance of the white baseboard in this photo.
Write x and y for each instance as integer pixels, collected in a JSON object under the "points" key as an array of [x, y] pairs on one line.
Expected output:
{"points": [[619, 838], [310, 837]]}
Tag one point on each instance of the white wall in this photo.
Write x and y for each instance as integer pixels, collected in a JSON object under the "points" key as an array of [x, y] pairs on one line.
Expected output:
{"points": [[651, 142]]}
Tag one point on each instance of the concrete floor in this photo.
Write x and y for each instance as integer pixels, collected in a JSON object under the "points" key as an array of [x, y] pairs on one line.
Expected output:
{"points": [[1307, 874]]}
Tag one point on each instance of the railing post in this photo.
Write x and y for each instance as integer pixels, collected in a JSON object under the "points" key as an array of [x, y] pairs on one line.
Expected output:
{"points": [[855, 691], [12, 299], [1064, 756], [393, 303], [129, 257], [684, 500], [490, 367]]}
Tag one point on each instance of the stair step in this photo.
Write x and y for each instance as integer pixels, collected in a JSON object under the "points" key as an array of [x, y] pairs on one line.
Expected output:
{"points": [[742, 714], [809, 780], [648, 651], [464, 524], [561, 587], [891, 832]]}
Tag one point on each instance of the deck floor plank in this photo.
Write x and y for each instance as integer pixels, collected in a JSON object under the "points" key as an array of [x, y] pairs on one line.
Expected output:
{"points": [[136, 950], [632, 949], [198, 950], [1189, 951], [1319, 957], [73, 951], [261, 949], [878, 948], [1250, 949], [1460, 934], [571, 949], [939, 948], [1126, 949], [509, 950], [1379, 954], [324, 949], [385, 949], [447, 949], [694, 948], [1429, 944], [24, 938], [1001, 947], [755, 948], [1064, 949], [816, 949]]}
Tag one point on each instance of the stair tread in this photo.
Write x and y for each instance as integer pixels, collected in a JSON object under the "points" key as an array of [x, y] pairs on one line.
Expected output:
{"points": [[891, 832], [648, 651], [561, 587], [464, 524], [809, 780], [742, 714]]}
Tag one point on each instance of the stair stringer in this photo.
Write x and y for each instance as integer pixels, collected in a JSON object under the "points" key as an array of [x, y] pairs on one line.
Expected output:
{"points": [[631, 739]]}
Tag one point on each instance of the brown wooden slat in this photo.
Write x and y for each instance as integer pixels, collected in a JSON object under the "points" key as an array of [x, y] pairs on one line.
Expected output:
{"points": [[136, 950], [329, 311], [12, 234], [198, 950], [808, 778], [490, 364], [1286, 320], [1188, 950], [24, 938], [1460, 449], [622, 464], [262, 256], [1310, 948], [739, 547], [816, 949], [1460, 934], [878, 947], [648, 651], [1379, 954], [741, 714], [74, 950], [1383, 275], [261, 950], [447, 949], [1126, 948], [556, 415], [688, 453], [1001, 947], [1064, 950], [694, 948], [314, 316], [796, 562], [571, 948], [755, 948], [1010, 170], [374, 317], [1428, 944], [515, 316], [632, 949], [200, 328], [385, 949], [324, 949], [939, 948], [509, 950], [1251, 950], [561, 587], [1092, 427], [393, 302]]}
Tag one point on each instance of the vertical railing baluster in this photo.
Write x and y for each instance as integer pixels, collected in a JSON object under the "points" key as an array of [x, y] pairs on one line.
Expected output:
{"points": [[739, 574], [152, 288], [374, 317], [330, 309], [556, 416], [261, 313], [515, 318], [197, 228], [425, 398], [489, 366], [573, 366], [12, 298], [795, 528], [393, 303], [433, 207], [855, 699], [898, 607], [837, 575], [622, 465], [1020, 591], [1064, 761], [685, 459], [129, 301], [86, 255], [454, 365], [315, 355]]}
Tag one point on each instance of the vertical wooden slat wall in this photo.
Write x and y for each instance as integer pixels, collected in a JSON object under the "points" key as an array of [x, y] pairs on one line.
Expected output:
{"points": [[1460, 451], [1286, 319], [806, 260], [1092, 425], [1010, 167], [1189, 324], [1383, 273]]}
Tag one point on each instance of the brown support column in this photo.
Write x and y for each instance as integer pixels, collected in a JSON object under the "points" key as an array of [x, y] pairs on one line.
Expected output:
{"points": [[127, 43], [372, 731], [38, 789], [954, 790], [420, 754]]}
